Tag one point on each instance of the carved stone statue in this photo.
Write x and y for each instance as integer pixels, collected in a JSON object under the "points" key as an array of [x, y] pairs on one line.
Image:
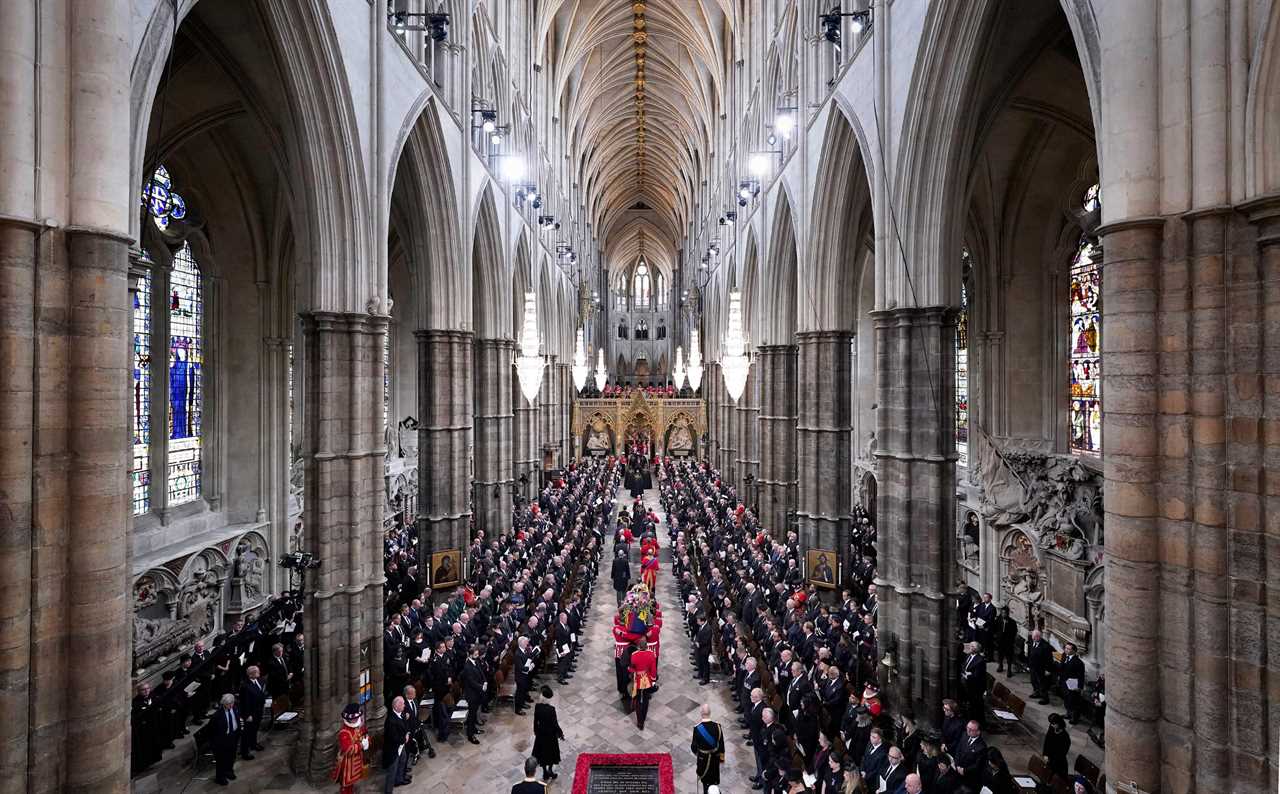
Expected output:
{"points": [[247, 573]]}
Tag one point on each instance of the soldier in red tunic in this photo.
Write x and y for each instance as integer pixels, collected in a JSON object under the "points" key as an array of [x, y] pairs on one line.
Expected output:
{"points": [[353, 740]]}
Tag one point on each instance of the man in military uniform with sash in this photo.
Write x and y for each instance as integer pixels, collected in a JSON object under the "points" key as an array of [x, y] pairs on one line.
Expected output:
{"points": [[708, 748]]}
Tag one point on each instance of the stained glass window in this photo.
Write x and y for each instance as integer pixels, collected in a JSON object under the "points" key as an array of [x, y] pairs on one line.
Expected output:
{"points": [[640, 291], [163, 203], [962, 364], [140, 468], [186, 361], [1086, 342]]}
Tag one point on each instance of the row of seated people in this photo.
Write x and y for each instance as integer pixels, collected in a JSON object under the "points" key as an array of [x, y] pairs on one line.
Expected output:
{"points": [[525, 602], [803, 672], [272, 646]]}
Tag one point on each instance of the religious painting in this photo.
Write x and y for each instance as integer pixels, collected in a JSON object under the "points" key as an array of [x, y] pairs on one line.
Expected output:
{"points": [[822, 565], [680, 438], [446, 568], [598, 439]]}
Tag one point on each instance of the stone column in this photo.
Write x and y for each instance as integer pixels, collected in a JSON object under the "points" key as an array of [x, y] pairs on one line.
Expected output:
{"points": [[728, 412], [748, 432], [1254, 473], [1131, 500], [564, 387], [343, 502], [549, 403], [825, 377], [915, 427], [445, 405], [17, 361], [19, 235], [711, 446], [493, 434], [776, 368], [527, 439]]}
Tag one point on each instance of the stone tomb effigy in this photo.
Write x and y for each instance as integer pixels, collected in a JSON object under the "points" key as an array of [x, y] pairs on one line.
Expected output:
{"points": [[629, 773]]}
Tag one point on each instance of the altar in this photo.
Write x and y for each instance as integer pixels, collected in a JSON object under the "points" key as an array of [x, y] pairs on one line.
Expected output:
{"points": [[669, 426]]}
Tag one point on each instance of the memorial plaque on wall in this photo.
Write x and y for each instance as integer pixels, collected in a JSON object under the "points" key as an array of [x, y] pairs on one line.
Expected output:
{"points": [[609, 779]]}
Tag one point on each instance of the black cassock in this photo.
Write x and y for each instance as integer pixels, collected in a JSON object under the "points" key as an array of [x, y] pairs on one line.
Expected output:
{"points": [[708, 748]]}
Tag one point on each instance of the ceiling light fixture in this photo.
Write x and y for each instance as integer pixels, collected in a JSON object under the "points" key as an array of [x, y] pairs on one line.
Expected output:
{"points": [[679, 371], [529, 364], [735, 363], [602, 375], [695, 361], [580, 367]]}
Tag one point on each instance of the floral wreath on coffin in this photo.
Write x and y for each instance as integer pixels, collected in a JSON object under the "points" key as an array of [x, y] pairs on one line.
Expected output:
{"points": [[639, 612]]}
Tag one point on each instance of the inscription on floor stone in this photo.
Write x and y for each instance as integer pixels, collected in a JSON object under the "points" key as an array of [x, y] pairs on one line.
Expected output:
{"points": [[623, 780]]}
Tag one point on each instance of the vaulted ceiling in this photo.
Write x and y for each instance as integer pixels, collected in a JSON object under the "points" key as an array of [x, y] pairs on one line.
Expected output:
{"points": [[638, 86]]}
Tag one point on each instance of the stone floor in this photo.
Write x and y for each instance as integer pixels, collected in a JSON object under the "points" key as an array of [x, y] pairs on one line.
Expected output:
{"points": [[592, 719], [590, 712]]}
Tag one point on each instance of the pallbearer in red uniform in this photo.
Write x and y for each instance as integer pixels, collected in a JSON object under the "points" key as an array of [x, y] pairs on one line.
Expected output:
{"points": [[644, 676], [353, 740]]}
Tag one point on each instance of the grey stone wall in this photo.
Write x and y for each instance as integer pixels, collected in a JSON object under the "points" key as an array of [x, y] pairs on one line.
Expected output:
{"points": [[824, 378], [776, 365], [494, 438]]}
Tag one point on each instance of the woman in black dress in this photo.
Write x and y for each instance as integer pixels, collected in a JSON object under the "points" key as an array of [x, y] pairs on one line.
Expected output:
{"points": [[1057, 745], [546, 735]]}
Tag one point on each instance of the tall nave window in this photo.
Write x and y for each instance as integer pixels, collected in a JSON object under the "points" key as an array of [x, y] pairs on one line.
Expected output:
{"points": [[180, 290], [1086, 341], [640, 287], [962, 363]]}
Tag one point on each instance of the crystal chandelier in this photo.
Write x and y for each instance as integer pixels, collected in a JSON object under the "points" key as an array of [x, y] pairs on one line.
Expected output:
{"points": [[695, 362], [602, 375], [580, 368], [529, 364], [735, 363], [678, 372]]}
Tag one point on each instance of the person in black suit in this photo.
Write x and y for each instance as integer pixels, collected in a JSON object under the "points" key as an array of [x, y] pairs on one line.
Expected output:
{"points": [[621, 573], [1040, 663], [253, 698], [530, 784], [1071, 679], [441, 685], [522, 665], [895, 772], [296, 656], [224, 734], [473, 686], [875, 760], [420, 739], [149, 735], [395, 741], [983, 622], [279, 677], [564, 649], [702, 651], [973, 676], [1006, 635], [971, 755]]}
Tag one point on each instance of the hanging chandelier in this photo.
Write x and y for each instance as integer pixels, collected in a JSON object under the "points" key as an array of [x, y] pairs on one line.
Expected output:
{"points": [[580, 368], [529, 364], [695, 362], [735, 362], [602, 375], [678, 372]]}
